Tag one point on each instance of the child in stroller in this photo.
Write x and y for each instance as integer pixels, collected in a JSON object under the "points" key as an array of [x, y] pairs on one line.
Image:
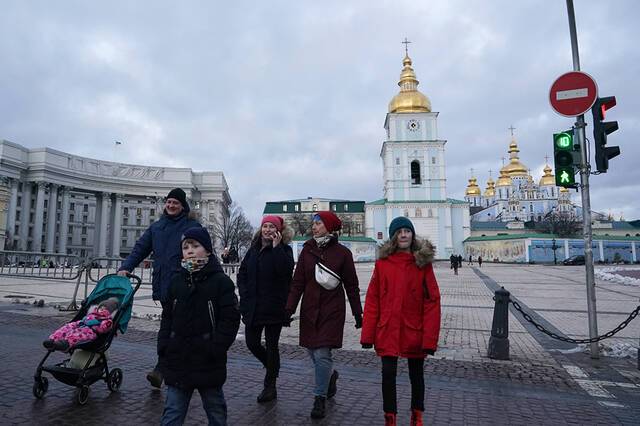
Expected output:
{"points": [[105, 312], [99, 320]]}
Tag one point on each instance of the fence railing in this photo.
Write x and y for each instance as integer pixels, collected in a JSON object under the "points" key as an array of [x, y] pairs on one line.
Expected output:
{"points": [[40, 265], [98, 267], [56, 266]]}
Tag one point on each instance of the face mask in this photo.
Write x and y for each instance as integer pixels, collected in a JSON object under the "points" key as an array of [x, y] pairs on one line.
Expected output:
{"points": [[194, 264]]}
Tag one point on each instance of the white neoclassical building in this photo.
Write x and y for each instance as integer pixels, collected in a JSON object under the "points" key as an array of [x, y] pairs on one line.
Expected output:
{"points": [[63, 203]]}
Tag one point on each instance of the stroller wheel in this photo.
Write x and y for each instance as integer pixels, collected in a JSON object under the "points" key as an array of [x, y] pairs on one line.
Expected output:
{"points": [[115, 379], [40, 387], [82, 394]]}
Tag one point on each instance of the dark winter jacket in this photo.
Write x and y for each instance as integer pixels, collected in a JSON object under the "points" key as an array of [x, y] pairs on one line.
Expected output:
{"points": [[163, 239], [322, 313], [263, 283], [199, 324], [402, 307]]}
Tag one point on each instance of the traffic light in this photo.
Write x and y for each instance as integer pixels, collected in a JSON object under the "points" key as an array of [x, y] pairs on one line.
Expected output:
{"points": [[565, 158], [601, 129]]}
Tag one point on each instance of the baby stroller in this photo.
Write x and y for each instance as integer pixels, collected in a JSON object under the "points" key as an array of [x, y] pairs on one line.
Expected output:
{"points": [[96, 367]]}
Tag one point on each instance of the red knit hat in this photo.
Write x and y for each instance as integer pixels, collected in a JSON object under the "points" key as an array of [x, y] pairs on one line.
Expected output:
{"points": [[277, 221], [330, 220]]}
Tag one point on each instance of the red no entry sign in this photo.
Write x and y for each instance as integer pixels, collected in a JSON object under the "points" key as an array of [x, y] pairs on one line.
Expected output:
{"points": [[573, 93]]}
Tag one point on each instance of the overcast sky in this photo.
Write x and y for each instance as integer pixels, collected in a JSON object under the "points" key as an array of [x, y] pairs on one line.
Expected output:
{"points": [[288, 99]]}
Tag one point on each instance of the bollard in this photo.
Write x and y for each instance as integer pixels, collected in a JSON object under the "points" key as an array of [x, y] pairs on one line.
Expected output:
{"points": [[499, 340]]}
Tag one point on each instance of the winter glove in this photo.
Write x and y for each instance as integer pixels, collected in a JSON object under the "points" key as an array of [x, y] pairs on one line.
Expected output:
{"points": [[358, 319], [428, 352], [367, 346]]}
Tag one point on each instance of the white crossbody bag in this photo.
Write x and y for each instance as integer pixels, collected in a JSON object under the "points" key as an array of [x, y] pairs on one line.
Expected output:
{"points": [[326, 277]]}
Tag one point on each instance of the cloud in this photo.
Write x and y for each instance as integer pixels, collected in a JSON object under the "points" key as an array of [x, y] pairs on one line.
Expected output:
{"points": [[288, 99]]}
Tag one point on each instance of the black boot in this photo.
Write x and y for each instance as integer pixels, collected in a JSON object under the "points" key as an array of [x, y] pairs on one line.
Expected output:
{"points": [[333, 387], [49, 344], [61, 345], [269, 393], [318, 407]]}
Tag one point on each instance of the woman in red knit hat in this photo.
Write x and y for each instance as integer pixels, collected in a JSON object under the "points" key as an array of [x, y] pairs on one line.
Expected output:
{"points": [[325, 270], [263, 284]]}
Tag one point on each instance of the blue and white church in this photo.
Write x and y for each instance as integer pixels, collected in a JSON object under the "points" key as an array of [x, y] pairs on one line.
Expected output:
{"points": [[414, 174]]}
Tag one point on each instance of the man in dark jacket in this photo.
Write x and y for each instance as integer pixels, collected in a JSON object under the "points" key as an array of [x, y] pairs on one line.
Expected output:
{"points": [[162, 239], [200, 322]]}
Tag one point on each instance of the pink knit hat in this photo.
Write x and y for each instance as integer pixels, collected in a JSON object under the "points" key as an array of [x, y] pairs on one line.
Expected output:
{"points": [[277, 221]]}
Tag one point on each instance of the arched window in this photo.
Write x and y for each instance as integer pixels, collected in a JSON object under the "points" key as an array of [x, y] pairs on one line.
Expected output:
{"points": [[415, 172], [419, 212], [315, 208]]}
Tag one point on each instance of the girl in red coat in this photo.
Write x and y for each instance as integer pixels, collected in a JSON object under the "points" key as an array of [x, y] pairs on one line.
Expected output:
{"points": [[402, 314]]}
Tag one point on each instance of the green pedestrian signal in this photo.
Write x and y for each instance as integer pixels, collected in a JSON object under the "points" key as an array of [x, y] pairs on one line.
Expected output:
{"points": [[565, 159]]}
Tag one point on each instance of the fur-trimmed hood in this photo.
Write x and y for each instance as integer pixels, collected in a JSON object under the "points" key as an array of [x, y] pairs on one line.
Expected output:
{"points": [[287, 236], [423, 252]]}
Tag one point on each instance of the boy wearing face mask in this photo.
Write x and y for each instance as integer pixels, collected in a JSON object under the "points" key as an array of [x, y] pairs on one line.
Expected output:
{"points": [[198, 326]]}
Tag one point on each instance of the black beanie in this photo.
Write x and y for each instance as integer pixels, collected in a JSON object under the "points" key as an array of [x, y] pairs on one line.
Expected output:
{"points": [[179, 194], [199, 234]]}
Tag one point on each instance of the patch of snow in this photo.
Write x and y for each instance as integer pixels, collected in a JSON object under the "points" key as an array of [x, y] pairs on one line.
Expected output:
{"points": [[609, 274]]}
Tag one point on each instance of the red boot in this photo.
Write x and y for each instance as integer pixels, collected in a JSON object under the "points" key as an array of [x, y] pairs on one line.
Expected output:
{"points": [[390, 419], [416, 418]]}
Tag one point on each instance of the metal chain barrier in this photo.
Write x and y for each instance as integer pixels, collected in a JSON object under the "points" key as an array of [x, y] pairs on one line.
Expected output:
{"points": [[611, 333]]}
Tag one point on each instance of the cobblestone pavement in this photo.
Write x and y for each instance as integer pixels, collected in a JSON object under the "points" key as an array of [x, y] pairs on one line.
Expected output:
{"points": [[545, 381], [458, 392]]}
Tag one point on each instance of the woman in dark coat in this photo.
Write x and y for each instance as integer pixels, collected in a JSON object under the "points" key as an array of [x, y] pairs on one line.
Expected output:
{"points": [[263, 284], [322, 314], [402, 314]]}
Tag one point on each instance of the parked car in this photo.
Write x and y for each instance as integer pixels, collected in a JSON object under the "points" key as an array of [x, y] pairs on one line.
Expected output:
{"points": [[574, 260]]}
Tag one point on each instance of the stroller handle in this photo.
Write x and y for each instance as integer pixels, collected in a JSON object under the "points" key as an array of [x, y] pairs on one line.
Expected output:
{"points": [[135, 278]]}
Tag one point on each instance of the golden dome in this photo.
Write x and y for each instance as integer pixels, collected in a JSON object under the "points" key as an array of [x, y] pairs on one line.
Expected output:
{"points": [[504, 179], [409, 99], [564, 190], [472, 189], [491, 188], [515, 167], [548, 178]]}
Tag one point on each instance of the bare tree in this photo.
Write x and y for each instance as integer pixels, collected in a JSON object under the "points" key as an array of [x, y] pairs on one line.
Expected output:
{"points": [[300, 223], [562, 224], [233, 231], [349, 224]]}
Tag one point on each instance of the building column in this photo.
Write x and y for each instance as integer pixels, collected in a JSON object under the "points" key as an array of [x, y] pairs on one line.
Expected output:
{"points": [[39, 217], [24, 215], [116, 225], [601, 250], [64, 222], [104, 220], [566, 248], [634, 253], [11, 213], [51, 218]]}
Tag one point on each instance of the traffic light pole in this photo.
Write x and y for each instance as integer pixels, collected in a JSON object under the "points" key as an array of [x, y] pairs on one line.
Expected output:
{"points": [[586, 201]]}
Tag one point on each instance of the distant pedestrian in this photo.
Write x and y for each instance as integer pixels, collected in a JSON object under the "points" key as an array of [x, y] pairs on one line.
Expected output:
{"points": [[402, 314], [162, 239], [480, 261], [325, 271], [199, 324], [459, 261], [454, 263], [470, 260], [263, 284]]}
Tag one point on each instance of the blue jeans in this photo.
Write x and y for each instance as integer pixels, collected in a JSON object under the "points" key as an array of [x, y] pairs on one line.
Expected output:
{"points": [[177, 404], [323, 364]]}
